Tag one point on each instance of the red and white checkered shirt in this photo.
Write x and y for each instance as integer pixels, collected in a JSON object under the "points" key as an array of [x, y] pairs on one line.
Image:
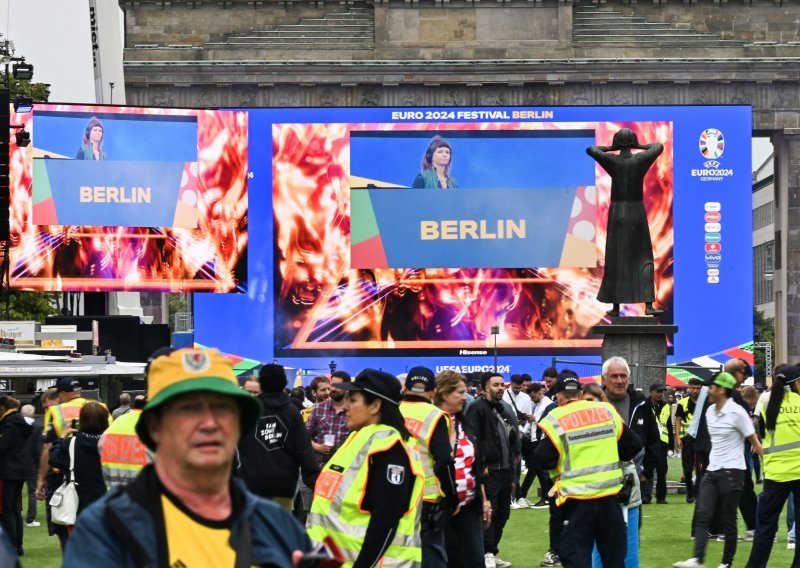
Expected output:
{"points": [[464, 456]]}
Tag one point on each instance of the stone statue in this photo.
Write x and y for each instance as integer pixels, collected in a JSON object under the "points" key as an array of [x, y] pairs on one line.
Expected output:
{"points": [[629, 271]]}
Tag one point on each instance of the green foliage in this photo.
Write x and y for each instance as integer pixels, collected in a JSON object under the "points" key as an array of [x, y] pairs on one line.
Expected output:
{"points": [[39, 92], [763, 332], [30, 306]]}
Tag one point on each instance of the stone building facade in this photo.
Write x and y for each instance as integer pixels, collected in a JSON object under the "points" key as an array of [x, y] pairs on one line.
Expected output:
{"points": [[457, 52]]}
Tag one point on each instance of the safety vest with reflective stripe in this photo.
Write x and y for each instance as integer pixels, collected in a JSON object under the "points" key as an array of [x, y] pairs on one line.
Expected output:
{"points": [[663, 422], [336, 509], [585, 434], [60, 414], [421, 420], [687, 416], [782, 446], [122, 453]]}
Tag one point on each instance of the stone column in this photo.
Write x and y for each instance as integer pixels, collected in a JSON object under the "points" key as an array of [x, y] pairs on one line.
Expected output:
{"points": [[642, 341], [787, 245]]}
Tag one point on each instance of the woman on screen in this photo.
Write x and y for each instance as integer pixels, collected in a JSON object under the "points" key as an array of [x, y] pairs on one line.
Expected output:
{"points": [[92, 148], [436, 166]]}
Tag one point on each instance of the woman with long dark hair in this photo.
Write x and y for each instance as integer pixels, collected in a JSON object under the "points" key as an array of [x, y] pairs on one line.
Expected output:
{"points": [[463, 533], [436, 164], [781, 432], [367, 498], [92, 141]]}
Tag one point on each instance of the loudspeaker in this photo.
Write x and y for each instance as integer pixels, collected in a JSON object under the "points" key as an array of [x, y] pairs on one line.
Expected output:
{"points": [[120, 334], [153, 337]]}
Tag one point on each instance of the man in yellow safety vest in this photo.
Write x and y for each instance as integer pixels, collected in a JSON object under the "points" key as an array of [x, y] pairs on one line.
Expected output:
{"points": [[122, 453], [583, 446], [430, 427]]}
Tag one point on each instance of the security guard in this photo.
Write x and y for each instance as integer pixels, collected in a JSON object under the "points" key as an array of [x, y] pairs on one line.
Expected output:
{"points": [[584, 444], [430, 427], [780, 423], [56, 420], [122, 453], [367, 498]]}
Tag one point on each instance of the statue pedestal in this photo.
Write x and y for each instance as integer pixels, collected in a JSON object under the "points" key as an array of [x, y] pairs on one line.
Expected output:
{"points": [[642, 341]]}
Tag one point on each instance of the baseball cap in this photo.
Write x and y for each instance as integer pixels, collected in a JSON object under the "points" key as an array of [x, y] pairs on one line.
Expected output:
{"points": [[420, 379], [68, 384], [185, 371], [657, 387], [724, 380], [378, 383], [566, 382], [788, 373]]}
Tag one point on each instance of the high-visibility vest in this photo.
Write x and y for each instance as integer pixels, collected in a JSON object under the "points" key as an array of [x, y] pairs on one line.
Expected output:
{"points": [[421, 420], [687, 416], [122, 453], [585, 434], [60, 414], [663, 422], [336, 509], [782, 445]]}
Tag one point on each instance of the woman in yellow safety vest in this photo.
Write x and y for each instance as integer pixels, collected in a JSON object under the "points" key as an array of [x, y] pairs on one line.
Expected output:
{"points": [[367, 497], [781, 432]]}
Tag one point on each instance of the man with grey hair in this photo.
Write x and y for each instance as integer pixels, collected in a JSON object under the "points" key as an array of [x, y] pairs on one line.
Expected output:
{"points": [[124, 405], [631, 406]]}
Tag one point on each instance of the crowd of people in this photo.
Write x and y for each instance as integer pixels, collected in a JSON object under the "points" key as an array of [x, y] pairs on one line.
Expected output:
{"points": [[420, 469]]}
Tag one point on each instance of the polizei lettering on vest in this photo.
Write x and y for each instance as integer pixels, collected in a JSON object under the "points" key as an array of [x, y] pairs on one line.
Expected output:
{"points": [[479, 229], [582, 418]]}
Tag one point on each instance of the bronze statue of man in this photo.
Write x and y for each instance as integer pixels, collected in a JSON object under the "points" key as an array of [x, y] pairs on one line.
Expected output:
{"points": [[629, 276]]}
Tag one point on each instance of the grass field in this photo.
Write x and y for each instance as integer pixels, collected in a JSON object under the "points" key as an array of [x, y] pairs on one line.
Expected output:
{"points": [[664, 540]]}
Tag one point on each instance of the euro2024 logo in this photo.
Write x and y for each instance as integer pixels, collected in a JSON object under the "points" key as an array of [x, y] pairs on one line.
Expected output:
{"points": [[712, 146], [712, 143]]}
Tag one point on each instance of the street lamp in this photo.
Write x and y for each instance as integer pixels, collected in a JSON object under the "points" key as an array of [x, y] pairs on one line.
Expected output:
{"points": [[495, 333]]}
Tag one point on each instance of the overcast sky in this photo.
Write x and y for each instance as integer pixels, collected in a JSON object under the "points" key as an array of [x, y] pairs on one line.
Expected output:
{"points": [[53, 35]]}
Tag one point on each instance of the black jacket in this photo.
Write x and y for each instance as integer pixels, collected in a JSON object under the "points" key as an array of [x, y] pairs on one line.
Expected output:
{"points": [[32, 447], [271, 454], [14, 433], [482, 422], [88, 472], [643, 423]]}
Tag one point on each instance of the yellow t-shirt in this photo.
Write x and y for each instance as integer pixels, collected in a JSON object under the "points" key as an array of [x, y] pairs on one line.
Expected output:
{"points": [[193, 542]]}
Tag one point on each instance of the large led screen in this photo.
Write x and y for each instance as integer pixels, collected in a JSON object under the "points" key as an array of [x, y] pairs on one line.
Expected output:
{"points": [[114, 198], [360, 257]]}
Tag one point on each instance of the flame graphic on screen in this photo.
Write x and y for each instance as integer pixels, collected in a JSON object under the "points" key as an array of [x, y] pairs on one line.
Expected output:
{"points": [[322, 304], [210, 257]]}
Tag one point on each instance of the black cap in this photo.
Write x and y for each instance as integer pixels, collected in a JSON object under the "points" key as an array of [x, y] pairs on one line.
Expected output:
{"points": [[378, 383], [420, 379], [657, 387], [567, 382], [788, 373], [68, 384]]}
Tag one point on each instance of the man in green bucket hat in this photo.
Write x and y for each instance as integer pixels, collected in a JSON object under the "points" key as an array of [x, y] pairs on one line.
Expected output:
{"points": [[185, 509]]}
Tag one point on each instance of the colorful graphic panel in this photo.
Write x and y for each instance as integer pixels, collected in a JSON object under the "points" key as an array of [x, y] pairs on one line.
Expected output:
{"points": [[115, 198]]}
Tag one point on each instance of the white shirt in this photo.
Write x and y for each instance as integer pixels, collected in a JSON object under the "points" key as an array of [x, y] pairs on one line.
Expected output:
{"points": [[520, 402], [728, 430]]}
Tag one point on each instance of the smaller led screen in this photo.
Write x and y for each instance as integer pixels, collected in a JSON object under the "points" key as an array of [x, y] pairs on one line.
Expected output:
{"points": [[111, 198]]}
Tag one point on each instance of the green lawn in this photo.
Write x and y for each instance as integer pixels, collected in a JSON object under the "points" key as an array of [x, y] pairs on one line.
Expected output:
{"points": [[664, 539]]}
